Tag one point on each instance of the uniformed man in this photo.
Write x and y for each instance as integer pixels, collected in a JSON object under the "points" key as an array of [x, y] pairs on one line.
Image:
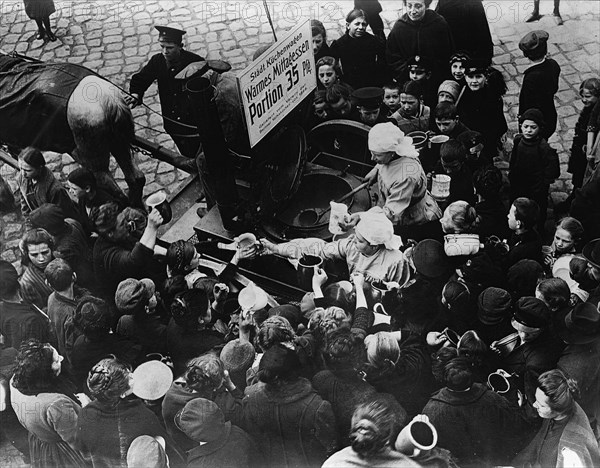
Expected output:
{"points": [[369, 102], [177, 113]]}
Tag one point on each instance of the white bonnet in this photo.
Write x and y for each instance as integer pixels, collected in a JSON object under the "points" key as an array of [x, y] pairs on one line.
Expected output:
{"points": [[377, 229], [385, 137]]}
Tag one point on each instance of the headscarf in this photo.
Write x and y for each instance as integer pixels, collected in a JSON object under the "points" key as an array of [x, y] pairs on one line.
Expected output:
{"points": [[377, 229], [386, 137]]}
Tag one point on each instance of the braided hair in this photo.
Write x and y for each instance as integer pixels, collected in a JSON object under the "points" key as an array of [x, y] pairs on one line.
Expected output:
{"points": [[179, 255], [108, 380], [205, 375]]}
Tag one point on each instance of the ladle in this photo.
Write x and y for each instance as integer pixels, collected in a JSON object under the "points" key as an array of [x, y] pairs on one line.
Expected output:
{"points": [[311, 216]]}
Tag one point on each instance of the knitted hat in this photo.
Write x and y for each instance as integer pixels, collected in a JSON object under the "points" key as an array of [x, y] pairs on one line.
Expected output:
{"points": [[49, 217], [532, 114], [533, 40], [522, 278], [429, 258], [147, 452], [203, 421], [151, 380], [494, 305], [530, 312], [9, 278], [131, 293], [451, 87], [238, 356]]}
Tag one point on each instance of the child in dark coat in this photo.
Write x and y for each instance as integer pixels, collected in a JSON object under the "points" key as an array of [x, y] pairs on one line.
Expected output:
{"points": [[534, 163], [481, 107], [540, 80], [589, 90]]}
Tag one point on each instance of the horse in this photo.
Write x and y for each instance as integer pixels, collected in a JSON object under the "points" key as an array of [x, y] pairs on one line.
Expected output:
{"points": [[67, 108]]}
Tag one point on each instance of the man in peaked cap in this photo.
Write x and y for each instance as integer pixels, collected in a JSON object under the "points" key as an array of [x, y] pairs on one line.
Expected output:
{"points": [[369, 102], [177, 113]]}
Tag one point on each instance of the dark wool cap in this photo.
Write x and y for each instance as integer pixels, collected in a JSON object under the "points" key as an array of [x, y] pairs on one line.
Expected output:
{"points": [[531, 312], [532, 114], [494, 306], [522, 278], [430, 259], [582, 324]]}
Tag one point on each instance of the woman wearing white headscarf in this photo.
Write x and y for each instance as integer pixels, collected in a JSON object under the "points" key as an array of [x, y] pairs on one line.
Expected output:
{"points": [[372, 249], [401, 181]]}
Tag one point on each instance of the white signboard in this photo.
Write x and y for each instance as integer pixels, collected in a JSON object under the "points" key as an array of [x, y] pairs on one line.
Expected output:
{"points": [[277, 81]]}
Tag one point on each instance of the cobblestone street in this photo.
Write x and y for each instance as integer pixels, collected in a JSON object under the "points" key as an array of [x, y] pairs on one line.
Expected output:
{"points": [[115, 38]]}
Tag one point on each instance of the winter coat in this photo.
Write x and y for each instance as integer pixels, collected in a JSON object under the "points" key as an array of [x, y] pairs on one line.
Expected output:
{"points": [[483, 112], [345, 390], [492, 214], [540, 84], [576, 447], [236, 449], [387, 458], [410, 381], [20, 321], [46, 189], [114, 262], [51, 420], [578, 160], [469, 26], [292, 425], [532, 359], [174, 102], [527, 245], [105, 432], [33, 286], [184, 344], [533, 167], [581, 362], [477, 426], [431, 37], [362, 59], [179, 395]]}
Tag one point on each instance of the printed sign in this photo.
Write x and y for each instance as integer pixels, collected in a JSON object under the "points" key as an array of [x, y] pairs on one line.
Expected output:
{"points": [[273, 85]]}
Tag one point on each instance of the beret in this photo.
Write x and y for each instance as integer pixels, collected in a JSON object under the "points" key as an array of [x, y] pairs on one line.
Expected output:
{"points": [[533, 40]]}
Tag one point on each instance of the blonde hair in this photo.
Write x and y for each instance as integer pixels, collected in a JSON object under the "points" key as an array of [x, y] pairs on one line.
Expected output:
{"points": [[383, 350]]}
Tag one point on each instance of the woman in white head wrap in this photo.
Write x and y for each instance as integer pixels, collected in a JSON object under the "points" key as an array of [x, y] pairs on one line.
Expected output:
{"points": [[372, 250], [401, 181]]}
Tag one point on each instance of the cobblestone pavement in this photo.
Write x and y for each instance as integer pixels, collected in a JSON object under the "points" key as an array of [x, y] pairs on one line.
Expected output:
{"points": [[115, 38]]}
